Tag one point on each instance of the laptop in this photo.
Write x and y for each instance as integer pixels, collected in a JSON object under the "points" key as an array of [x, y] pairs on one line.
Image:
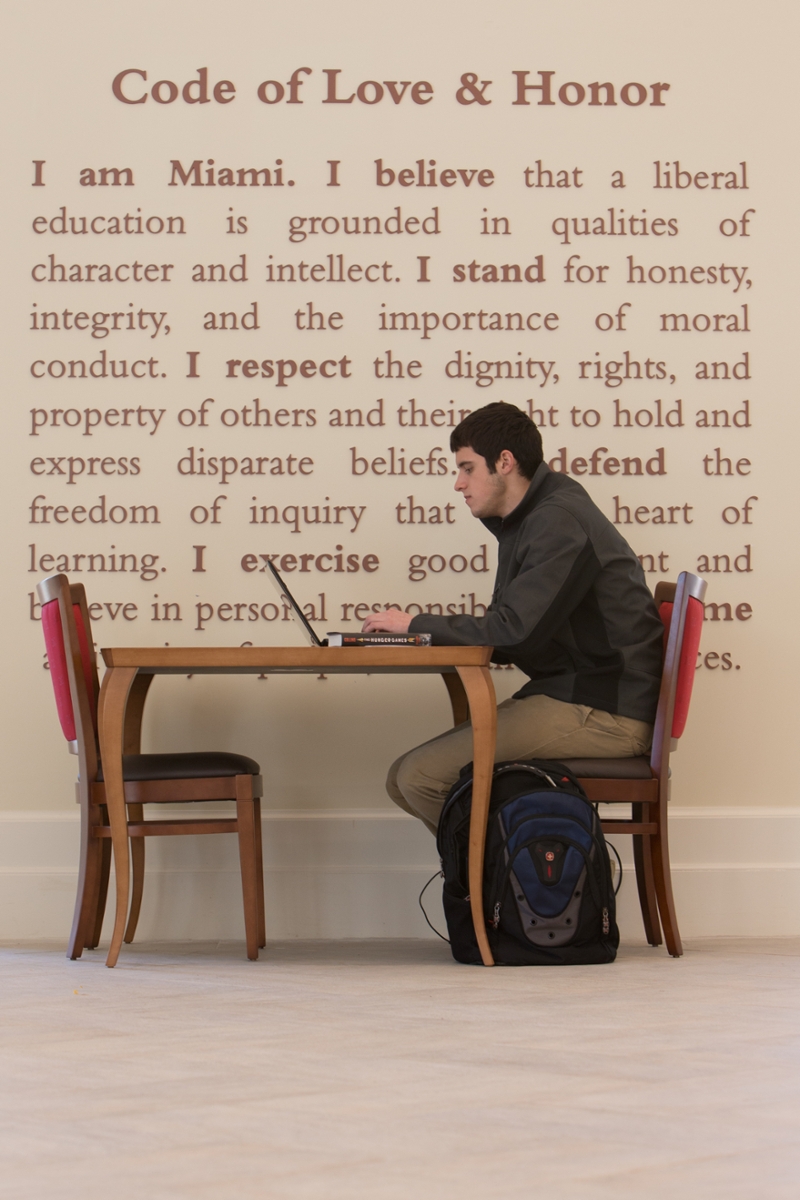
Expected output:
{"points": [[295, 609]]}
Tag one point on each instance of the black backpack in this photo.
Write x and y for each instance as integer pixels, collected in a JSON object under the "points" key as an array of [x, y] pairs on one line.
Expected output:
{"points": [[547, 891]]}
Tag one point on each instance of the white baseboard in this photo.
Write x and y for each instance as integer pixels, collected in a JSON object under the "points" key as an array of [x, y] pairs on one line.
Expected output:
{"points": [[357, 874]]}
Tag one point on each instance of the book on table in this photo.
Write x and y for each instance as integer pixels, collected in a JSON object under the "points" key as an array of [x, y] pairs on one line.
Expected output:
{"points": [[379, 639]]}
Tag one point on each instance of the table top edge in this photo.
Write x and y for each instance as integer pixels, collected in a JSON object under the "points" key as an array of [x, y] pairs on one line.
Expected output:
{"points": [[189, 656]]}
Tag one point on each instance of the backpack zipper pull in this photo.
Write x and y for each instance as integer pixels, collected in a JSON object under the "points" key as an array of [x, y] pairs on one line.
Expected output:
{"points": [[606, 923], [496, 917]]}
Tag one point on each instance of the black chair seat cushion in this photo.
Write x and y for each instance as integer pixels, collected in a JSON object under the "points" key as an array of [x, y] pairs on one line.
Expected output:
{"points": [[610, 768], [139, 767]]}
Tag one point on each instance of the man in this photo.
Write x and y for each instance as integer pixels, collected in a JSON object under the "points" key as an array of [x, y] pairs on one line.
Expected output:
{"points": [[570, 608]]}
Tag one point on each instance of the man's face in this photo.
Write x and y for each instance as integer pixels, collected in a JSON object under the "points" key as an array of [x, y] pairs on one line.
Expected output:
{"points": [[484, 492]]}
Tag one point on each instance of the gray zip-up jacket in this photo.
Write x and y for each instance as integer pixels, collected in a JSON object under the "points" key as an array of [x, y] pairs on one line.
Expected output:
{"points": [[570, 606]]}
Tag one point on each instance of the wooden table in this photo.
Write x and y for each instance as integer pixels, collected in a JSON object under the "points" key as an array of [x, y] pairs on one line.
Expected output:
{"points": [[464, 669]]}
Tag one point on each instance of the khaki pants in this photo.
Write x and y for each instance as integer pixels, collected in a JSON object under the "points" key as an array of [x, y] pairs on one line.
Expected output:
{"points": [[534, 727]]}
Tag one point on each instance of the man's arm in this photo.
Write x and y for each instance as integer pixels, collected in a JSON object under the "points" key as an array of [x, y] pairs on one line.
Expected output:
{"points": [[557, 566]]}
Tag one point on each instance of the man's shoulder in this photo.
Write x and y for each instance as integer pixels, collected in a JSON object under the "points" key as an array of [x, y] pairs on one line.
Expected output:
{"points": [[563, 504], [560, 496]]}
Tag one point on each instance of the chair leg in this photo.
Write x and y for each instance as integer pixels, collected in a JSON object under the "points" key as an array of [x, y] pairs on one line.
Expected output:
{"points": [[262, 920], [89, 882], [642, 858], [645, 883], [135, 813], [245, 818], [663, 884], [99, 910]]}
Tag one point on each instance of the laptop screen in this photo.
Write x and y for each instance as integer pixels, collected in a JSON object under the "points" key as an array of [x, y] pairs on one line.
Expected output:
{"points": [[294, 607]]}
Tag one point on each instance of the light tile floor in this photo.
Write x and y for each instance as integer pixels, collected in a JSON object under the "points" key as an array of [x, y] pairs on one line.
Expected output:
{"points": [[350, 1070]]}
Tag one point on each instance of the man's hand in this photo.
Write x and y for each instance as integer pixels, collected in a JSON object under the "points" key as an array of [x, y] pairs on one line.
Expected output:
{"points": [[391, 620]]}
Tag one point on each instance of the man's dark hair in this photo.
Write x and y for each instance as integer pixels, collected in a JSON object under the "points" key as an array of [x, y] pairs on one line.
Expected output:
{"points": [[498, 427]]}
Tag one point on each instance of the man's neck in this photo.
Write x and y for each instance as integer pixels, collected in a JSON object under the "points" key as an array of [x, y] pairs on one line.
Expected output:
{"points": [[516, 491]]}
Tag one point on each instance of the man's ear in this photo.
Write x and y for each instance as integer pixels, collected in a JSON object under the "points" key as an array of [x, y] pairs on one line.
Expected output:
{"points": [[506, 463]]}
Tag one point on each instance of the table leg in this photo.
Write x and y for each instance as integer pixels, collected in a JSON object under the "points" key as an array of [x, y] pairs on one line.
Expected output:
{"points": [[111, 721], [483, 711], [458, 697]]}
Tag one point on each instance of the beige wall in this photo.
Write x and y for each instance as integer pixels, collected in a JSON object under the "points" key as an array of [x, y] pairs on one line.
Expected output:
{"points": [[730, 98]]}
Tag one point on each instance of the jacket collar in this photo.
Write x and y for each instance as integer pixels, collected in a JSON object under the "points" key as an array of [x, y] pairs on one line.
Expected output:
{"points": [[500, 525]]}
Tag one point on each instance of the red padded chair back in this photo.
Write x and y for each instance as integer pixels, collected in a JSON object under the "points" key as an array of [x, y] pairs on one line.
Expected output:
{"points": [[692, 629], [57, 660]]}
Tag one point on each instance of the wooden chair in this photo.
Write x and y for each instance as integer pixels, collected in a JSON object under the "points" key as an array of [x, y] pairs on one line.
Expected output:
{"points": [[149, 779], [644, 782]]}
